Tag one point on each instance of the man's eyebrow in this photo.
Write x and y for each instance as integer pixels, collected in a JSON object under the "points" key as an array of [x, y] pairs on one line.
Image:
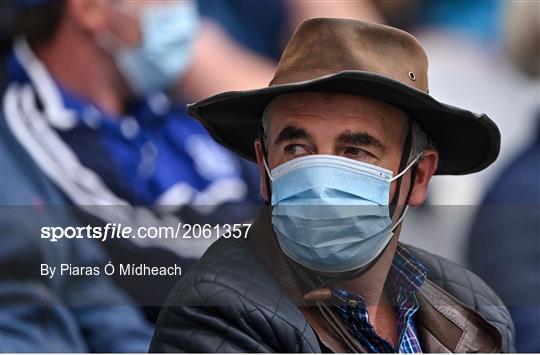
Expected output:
{"points": [[359, 138], [290, 133]]}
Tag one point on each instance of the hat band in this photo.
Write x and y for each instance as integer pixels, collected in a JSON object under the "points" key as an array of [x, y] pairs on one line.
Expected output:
{"points": [[291, 77], [297, 77]]}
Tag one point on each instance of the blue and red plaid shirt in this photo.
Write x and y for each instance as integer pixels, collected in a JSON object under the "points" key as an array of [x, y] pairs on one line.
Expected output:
{"points": [[407, 274]]}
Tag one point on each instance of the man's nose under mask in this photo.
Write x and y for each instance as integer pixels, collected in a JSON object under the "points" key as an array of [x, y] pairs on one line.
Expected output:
{"points": [[330, 213]]}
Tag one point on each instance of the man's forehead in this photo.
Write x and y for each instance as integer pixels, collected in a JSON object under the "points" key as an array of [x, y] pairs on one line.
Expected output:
{"points": [[330, 105]]}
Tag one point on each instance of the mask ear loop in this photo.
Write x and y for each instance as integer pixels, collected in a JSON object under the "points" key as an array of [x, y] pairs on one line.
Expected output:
{"points": [[412, 165], [268, 177], [407, 168], [402, 164], [268, 173]]}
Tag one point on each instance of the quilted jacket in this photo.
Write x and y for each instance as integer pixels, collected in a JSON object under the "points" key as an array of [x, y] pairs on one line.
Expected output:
{"points": [[240, 297]]}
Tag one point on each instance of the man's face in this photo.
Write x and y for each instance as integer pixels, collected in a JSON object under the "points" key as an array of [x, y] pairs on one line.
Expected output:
{"points": [[349, 126], [139, 46], [120, 19]]}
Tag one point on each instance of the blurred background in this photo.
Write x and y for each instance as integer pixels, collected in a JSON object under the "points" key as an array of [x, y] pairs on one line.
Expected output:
{"points": [[94, 131]]}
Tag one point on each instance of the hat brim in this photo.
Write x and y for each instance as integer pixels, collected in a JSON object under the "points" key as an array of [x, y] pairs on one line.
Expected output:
{"points": [[467, 142]]}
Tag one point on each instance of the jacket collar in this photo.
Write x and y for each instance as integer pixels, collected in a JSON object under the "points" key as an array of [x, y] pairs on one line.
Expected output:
{"points": [[444, 324]]}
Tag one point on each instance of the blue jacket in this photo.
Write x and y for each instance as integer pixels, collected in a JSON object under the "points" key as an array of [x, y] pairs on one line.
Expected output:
{"points": [[505, 243], [60, 314], [155, 167]]}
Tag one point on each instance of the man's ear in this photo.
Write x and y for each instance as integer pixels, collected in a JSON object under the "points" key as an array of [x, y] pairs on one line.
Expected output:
{"points": [[424, 171], [262, 171]]}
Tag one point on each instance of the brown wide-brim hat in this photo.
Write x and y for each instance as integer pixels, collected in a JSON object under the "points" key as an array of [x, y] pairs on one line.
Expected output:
{"points": [[367, 59]]}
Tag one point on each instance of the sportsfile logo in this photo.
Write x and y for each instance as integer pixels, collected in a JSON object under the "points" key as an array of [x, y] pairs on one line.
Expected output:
{"points": [[119, 231]]}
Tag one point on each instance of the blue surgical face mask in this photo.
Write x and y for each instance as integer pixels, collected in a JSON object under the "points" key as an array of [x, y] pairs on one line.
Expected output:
{"points": [[331, 213], [167, 33]]}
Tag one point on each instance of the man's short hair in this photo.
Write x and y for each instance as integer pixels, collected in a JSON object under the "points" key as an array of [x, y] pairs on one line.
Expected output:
{"points": [[39, 24], [419, 141]]}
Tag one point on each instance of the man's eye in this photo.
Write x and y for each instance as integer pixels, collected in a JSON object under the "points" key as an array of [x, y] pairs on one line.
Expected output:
{"points": [[357, 153], [296, 150]]}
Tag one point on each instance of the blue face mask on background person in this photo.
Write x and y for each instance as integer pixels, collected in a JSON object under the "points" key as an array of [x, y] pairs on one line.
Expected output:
{"points": [[331, 213], [167, 33]]}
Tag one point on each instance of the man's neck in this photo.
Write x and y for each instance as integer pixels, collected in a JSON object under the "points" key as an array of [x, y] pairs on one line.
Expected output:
{"points": [[84, 69], [371, 287]]}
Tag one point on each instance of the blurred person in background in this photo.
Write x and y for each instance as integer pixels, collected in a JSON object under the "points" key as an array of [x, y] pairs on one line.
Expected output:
{"points": [[504, 242], [248, 36], [61, 314], [87, 96], [264, 26], [469, 69]]}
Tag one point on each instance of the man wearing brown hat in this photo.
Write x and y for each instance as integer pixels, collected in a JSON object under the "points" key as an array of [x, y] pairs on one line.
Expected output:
{"points": [[346, 137]]}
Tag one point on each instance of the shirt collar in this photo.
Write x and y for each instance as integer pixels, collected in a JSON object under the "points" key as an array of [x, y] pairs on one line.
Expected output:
{"points": [[407, 273]]}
